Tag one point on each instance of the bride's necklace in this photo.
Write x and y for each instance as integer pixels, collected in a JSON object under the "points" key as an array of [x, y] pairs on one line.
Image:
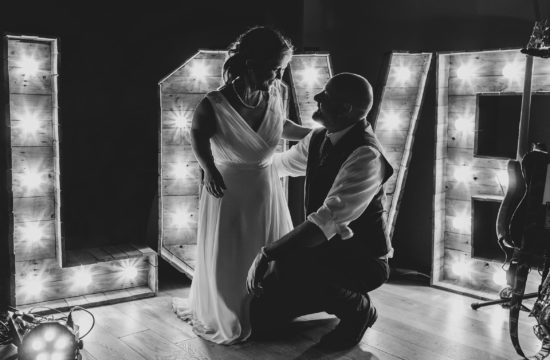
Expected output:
{"points": [[244, 103]]}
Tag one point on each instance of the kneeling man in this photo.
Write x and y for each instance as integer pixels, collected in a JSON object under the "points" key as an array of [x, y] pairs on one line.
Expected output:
{"points": [[332, 260]]}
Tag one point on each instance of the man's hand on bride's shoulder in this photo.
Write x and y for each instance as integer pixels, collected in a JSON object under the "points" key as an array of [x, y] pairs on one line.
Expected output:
{"points": [[213, 182], [256, 274]]}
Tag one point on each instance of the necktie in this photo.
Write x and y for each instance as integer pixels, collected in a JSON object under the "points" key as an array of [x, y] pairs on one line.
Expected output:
{"points": [[325, 149]]}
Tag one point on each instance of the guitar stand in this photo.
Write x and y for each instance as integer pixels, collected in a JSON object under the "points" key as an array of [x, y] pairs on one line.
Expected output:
{"points": [[505, 298]]}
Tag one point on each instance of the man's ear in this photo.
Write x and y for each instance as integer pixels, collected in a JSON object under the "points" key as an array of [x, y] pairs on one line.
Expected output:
{"points": [[346, 108]]}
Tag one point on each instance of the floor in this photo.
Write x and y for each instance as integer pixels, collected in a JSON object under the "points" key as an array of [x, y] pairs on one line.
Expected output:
{"points": [[415, 322]]}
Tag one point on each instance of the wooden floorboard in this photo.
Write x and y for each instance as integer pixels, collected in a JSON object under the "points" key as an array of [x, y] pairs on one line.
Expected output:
{"points": [[415, 322]]}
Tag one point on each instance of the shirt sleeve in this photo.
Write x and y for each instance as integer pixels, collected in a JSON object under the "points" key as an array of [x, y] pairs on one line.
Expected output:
{"points": [[293, 162], [358, 181]]}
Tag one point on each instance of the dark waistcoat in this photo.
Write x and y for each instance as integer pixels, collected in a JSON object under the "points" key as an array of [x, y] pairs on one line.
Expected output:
{"points": [[370, 235]]}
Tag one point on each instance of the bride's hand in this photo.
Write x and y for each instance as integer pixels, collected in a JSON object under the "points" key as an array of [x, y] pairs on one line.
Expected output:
{"points": [[213, 182]]}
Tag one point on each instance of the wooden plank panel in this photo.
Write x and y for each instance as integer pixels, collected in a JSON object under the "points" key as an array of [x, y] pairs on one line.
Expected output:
{"points": [[42, 186], [180, 236], [476, 175], [465, 191], [462, 104], [176, 153], [172, 119], [41, 137], [406, 92], [176, 136], [396, 103], [180, 101], [30, 157], [37, 50], [459, 156], [459, 242], [38, 83], [33, 209], [34, 240], [186, 85], [180, 187], [180, 211], [212, 68], [60, 284]]}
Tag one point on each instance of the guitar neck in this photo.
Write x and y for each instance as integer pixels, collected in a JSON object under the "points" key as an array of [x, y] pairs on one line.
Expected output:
{"points": [[523, 139]]}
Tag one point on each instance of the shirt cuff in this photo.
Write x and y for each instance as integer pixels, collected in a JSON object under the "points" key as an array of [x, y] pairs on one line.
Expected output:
{"points": [[323, 218]]}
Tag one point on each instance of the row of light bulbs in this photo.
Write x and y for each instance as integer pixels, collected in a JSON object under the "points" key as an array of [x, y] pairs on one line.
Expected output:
{"points": [[82, 277], [511, 71], [463, 269], [309, 76]]}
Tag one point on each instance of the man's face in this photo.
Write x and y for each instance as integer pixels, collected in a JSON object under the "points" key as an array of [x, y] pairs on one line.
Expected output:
{"points": [[327, 108]]}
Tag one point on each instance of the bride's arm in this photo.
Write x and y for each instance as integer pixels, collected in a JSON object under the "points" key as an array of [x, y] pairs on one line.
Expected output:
{"points": [[203, 127], [293, 131]]}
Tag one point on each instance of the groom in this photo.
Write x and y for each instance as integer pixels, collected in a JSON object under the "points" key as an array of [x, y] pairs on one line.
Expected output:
{"points": [[333, 259]]}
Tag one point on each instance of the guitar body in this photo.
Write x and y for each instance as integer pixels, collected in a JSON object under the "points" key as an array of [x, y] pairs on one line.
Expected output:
{"points": [[514, 193], [527, 225]]}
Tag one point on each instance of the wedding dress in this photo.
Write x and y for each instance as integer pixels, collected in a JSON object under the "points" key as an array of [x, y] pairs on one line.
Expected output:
{"points": [[232, 229]]}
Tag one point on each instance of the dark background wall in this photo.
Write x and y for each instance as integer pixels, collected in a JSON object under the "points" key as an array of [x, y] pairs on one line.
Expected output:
{"points": [[359, 35], [112, 57]]}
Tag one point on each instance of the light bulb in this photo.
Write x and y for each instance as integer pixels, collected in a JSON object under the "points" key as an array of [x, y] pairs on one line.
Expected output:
{"points": [[499, 277], [129, 272], [465, 72], [512, 71], [29, 123], [32, 232], [82, 277], [460, 268], [180, 171], [32, 179], [180, 121], [402, 74], [28, 65], [463, 124], [461, 222], [32, 285], [199, 70], [463, 173], [391, 121], [310, 76]]}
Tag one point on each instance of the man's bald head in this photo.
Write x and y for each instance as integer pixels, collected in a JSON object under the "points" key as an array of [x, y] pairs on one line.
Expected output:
{"points": [[351, 88], [347, 97]]}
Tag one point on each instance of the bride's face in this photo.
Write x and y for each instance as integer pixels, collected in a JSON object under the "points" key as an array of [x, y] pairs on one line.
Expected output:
{"points": [[264, 75]]}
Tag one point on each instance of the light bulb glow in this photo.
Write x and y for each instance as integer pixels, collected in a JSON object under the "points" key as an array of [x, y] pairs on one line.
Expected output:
{"points": [[29, 123], [402, 74], [180, 171], [463, 173], [37, 344], [463, 124], [310, 76], [29, 65], [32, 232], [129, 272], [42, 356], [181, 218], [199, 71], [181, 122], [58, 356], [32, 179], [462, 222], [32, 285], [49, 334], [82, 277], [61, 343], [465, 72], [391, 121], [512, 71], [502, 178], [460, 268], [499, 277]]}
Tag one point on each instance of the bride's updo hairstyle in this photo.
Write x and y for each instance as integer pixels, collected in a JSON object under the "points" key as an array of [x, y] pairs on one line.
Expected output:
{"points": [[259, 44]]}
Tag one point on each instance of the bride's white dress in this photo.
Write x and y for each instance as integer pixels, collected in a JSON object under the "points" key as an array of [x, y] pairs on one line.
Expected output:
{"points": [[232, 229]]}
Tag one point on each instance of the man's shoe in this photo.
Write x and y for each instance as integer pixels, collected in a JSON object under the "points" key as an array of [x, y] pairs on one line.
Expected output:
{"points": [[351, 328]]}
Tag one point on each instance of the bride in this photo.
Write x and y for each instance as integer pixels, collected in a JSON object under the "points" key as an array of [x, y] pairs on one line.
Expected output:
{"points": [[235, 131]]}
